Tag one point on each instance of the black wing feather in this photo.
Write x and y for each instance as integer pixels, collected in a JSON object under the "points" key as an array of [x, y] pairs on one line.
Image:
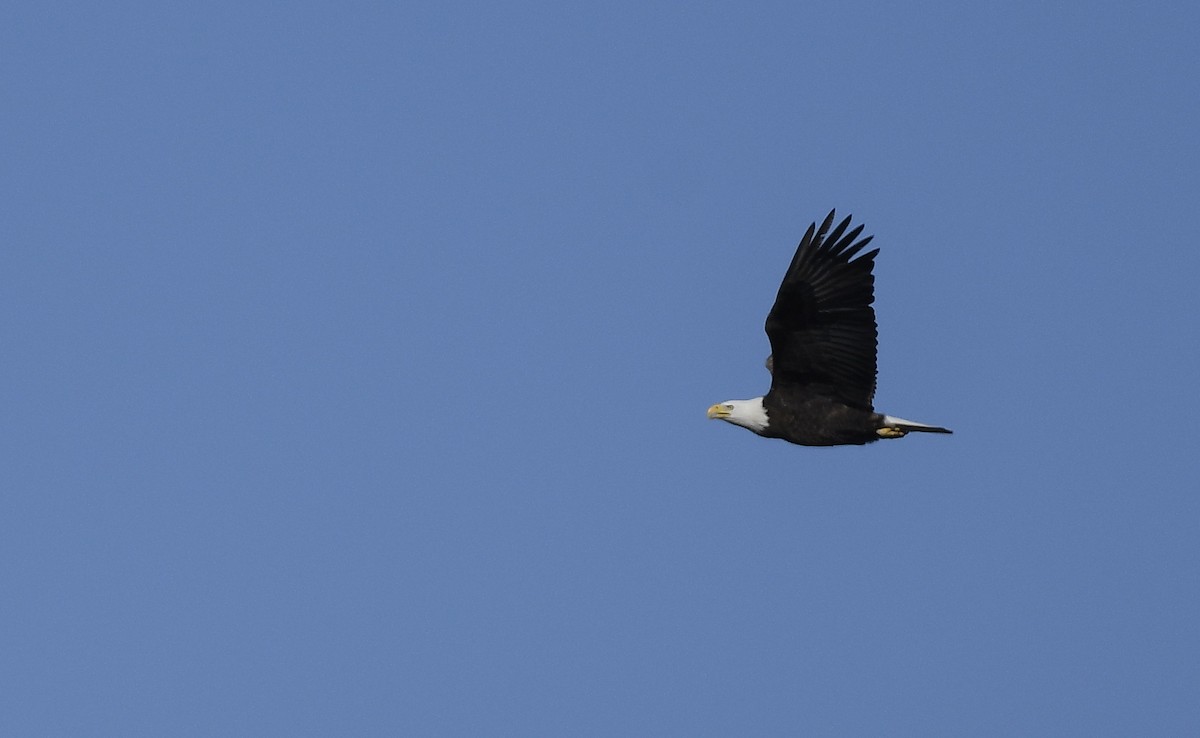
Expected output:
{"points": [[822, 326]]}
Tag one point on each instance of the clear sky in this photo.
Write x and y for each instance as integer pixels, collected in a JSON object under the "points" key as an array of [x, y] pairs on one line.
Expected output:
{"points": [[357, 358]]}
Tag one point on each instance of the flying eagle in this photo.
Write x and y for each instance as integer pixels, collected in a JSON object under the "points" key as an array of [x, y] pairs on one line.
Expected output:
{"points": [[823, 340]]}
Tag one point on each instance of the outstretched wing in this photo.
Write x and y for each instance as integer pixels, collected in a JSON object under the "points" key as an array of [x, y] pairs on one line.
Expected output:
{"points": [[822, 326]]}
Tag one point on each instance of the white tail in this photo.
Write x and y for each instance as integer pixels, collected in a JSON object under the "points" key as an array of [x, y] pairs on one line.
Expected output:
{"points": [[909, 425]]}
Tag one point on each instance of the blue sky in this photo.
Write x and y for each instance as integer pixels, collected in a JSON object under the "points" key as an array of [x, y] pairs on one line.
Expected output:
{"points": [[357, 358]]}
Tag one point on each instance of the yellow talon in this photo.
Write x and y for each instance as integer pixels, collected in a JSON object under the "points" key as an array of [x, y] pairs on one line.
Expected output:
{"points": [[889, 432]]}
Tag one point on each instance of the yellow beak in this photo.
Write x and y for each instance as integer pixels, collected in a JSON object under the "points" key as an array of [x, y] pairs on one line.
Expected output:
{"points": [[718, 411]]}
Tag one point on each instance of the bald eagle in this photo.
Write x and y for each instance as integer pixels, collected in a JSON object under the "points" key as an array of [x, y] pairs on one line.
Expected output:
{"points": [[823, 340]]}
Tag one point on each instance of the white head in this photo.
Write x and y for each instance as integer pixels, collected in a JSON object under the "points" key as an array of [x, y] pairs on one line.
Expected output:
{"points": [[747, 413]]}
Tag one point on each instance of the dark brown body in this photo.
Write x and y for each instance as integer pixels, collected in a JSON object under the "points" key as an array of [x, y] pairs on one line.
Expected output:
{"points": [[820, 421]]}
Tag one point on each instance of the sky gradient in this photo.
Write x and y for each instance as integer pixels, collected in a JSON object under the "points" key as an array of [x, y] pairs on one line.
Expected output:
{"points": [[358, 358]]}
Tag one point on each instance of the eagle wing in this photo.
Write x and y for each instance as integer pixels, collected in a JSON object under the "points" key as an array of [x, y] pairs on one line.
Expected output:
{"points": [[822, 326]]}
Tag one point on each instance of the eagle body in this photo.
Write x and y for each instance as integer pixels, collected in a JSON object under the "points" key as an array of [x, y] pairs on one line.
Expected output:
{"points": [[823, 347], [818, 421]]}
